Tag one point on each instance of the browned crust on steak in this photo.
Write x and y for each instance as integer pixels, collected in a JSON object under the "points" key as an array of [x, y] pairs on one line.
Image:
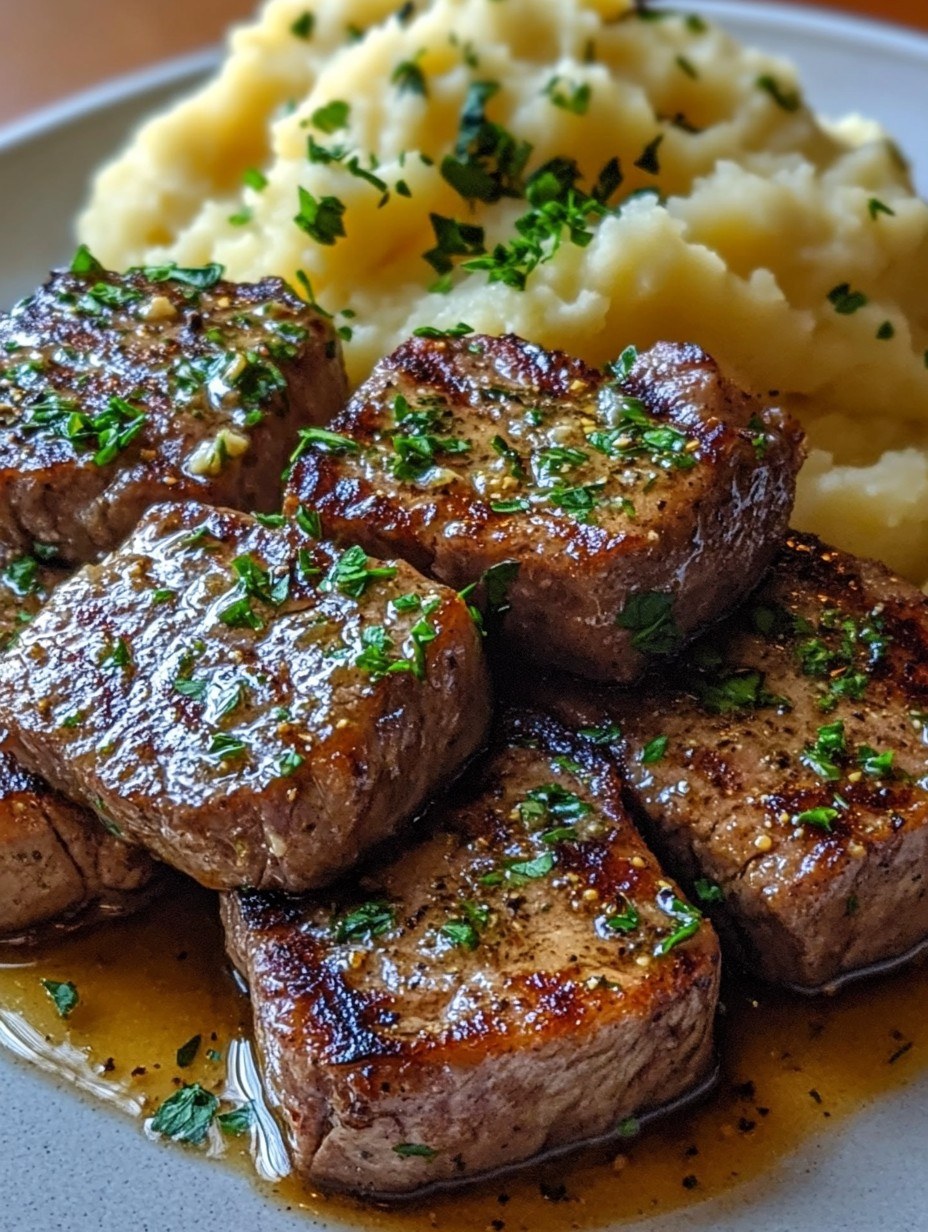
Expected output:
{"points": [[57, 863], [128, 688], [543, 1028], [232, 368], [803, 904], [697, 521]]}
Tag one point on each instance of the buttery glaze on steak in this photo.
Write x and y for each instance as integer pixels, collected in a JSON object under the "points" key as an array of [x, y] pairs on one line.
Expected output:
{"points": [[521, 979], [639, 507], [794, 784], [250, 704], [58, 865], [118, 391]]}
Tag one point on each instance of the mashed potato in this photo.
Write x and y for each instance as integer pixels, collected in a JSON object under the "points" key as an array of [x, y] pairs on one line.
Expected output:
{"points": [[374, 155]]}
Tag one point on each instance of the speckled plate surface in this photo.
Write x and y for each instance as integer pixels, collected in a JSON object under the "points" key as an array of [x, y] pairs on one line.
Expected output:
{"points": [[68, 1165]]}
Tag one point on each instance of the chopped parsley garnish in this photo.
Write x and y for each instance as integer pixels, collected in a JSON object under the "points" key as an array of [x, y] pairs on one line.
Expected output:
{"points": [[876, 207], [84, 262], [239, 614], [495, 584], [163, 595], [557, 205], [186, 1115], [515, 465], [569, 97], [649, 160], [461, 933], [414, 1150], [607, 733], [552, 801], [876, 765], [320, 218], [826, 755], [558, 458], [635, 433], [22, 576], [116, 655], [409, 78], [649, 615], [708, 891], [845, 301], [186, 1054], [252, 177], [579, 501], [789, 100], [654, 751], [630, 1127], [64, 996], [488, 161], [452, 239], [688, 917], [365, 922], [304, 25], [351, 574], [330, 118], [257, 581], [194, 689], [519, 871], [886, 331], [290, 763], [841, 650], [238, 1121], [227, 747], [107, 433], [417, 454], [727, 692], [824, 817], [624, 921], [461, 330], [254, 581], [103, 295], [516, 504], [201, 277], [620, 369], [322, 438], [309, 521]]}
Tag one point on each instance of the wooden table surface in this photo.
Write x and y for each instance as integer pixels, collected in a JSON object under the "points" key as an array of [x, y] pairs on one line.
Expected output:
{"points": [[52, 48]]}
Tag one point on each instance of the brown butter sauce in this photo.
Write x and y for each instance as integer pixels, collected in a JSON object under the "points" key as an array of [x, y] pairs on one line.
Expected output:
{"points": [[791, 1068]]}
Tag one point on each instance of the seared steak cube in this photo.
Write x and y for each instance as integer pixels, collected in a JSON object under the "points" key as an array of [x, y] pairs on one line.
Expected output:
{"points": [[121, 390], [57, 862], [522, 979], [639, 505], [253, 705], [783, 767]]}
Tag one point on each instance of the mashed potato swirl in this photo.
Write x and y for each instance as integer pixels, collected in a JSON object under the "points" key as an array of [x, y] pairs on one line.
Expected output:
{"points": [[393, 162]]}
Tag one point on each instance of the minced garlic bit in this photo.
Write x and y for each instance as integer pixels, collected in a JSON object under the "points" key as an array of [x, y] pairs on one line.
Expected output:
{"points": [[210, 457]]}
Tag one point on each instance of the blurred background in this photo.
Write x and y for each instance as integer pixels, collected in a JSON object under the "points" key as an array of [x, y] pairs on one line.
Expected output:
{"points": [[52, 48]]}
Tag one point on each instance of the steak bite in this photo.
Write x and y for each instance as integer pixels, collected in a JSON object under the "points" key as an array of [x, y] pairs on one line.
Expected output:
{"points": [[57, 862], [783, 767], [121, 390], [639, 505], [522, 979], [251, 704], [58, 865]]}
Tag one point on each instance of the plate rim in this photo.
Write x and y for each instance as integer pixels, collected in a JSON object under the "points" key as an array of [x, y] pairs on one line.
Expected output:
{"points": [[81, 105], [905, 41]]}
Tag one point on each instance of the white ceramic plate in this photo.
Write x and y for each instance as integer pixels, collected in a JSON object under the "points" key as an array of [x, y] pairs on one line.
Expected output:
{"points": [[69, 1166]]}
